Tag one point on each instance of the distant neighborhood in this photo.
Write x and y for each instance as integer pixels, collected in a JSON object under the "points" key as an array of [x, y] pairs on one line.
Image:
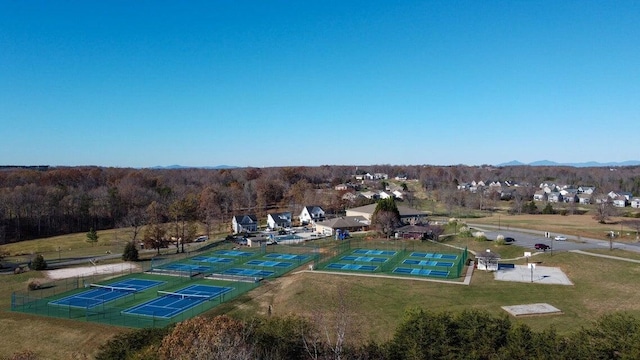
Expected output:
{"points": [[556, 193]]}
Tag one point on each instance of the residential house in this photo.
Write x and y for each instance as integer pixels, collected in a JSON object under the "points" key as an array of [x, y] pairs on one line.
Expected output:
{"points": [[635, 203], [602, 199], [464, 186], [401, 177], [540, 195], [554, 197], [584, 199], [586, 189], [398, 194], [350, 196], [614, 194], [373, 195], [506, 193], [279, 220], [341, 187], [385, 195], [380, 176], [569, 195], [620, 201], [311, 214], [366, 176], [244, 223]]}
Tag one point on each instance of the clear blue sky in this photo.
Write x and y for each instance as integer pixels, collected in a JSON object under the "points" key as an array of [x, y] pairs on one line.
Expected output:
{"points": [[279, 83]]}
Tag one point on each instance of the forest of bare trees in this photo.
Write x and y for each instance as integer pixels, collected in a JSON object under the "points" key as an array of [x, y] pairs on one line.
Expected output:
{"points": [[41, 202]]}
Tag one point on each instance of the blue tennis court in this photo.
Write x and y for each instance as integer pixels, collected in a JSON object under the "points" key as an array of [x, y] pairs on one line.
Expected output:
{"points": [[427, 263], [357, 267], [421, 272], [99, 295], [434, 255], [267, 263], [248, 272], [286, 256], [188, 268], [169, 305], [212, 259], [375, 252], [364, 259], [233, 253]]}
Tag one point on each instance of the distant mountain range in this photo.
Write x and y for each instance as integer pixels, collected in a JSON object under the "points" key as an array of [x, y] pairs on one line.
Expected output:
{"points": [[583, 164], [174, 167]]}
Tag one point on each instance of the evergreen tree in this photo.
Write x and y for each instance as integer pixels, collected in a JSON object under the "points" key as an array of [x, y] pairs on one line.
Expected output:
{"points": [[386, 216], [38, 263], [548, 210], [130, 252], [92, 236]]}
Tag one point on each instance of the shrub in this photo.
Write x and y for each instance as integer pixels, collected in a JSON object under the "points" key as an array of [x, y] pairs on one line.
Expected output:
{"points": [[38, 263], [34, 285]]}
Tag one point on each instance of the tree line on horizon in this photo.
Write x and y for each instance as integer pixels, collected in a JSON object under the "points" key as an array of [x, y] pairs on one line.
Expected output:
{"points": [[37, 203]]}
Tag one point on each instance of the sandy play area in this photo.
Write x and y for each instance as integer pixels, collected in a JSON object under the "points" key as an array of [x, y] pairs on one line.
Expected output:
{"points": [[89, 270]]}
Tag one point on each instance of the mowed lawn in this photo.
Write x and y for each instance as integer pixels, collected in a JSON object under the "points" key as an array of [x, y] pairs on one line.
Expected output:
{"points": [[50, 338], [376, 306], [575, 225]]}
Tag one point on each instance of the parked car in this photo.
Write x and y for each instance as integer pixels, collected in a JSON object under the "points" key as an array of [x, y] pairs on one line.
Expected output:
{"points": [[201, 238], [560, 238], [542, 247], [509, 239]]}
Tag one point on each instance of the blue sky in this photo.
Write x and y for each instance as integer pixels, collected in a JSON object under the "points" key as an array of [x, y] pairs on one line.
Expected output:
{"points": [[284, 83]]}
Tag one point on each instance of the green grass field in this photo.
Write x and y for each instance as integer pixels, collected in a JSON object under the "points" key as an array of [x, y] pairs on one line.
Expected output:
{"points": [[375, 305]]}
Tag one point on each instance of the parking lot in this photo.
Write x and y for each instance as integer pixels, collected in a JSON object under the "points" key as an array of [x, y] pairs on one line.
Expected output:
{"points": [[528, 239]]}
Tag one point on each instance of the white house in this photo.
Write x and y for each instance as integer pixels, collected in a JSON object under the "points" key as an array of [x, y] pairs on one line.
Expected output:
{"points": [[385, 195], [373, 195], [584, 199], [586, 189], [244, 223], [311, 213], [620, 201], [539, 195], [398, 194], [279, 220], [554, 197], [635, 203]]}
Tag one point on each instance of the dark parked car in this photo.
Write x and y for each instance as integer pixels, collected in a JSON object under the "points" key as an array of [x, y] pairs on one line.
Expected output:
{"points": [[542, 247], [509, 239]]}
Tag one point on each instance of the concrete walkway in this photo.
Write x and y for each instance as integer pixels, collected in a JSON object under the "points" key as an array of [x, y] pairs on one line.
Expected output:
{"points": [[605, 256]]}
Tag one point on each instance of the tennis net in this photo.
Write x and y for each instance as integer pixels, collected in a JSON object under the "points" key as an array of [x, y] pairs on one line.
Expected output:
{"points": [[184, 296], [113, 288]]}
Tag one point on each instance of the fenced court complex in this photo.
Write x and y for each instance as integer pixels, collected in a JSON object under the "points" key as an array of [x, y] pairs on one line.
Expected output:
{"points": [[395, 258], [171, 289]]}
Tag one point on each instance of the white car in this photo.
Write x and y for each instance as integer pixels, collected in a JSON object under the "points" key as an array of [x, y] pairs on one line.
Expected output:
{"points": [[560, 238]]}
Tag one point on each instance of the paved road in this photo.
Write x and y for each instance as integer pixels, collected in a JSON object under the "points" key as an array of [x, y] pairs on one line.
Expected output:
{"points": [[528, 238]]}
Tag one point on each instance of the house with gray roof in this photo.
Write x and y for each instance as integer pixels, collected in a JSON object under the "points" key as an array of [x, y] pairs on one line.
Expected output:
{"points": [[279, 220], [310, 214], [244, 223]]}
